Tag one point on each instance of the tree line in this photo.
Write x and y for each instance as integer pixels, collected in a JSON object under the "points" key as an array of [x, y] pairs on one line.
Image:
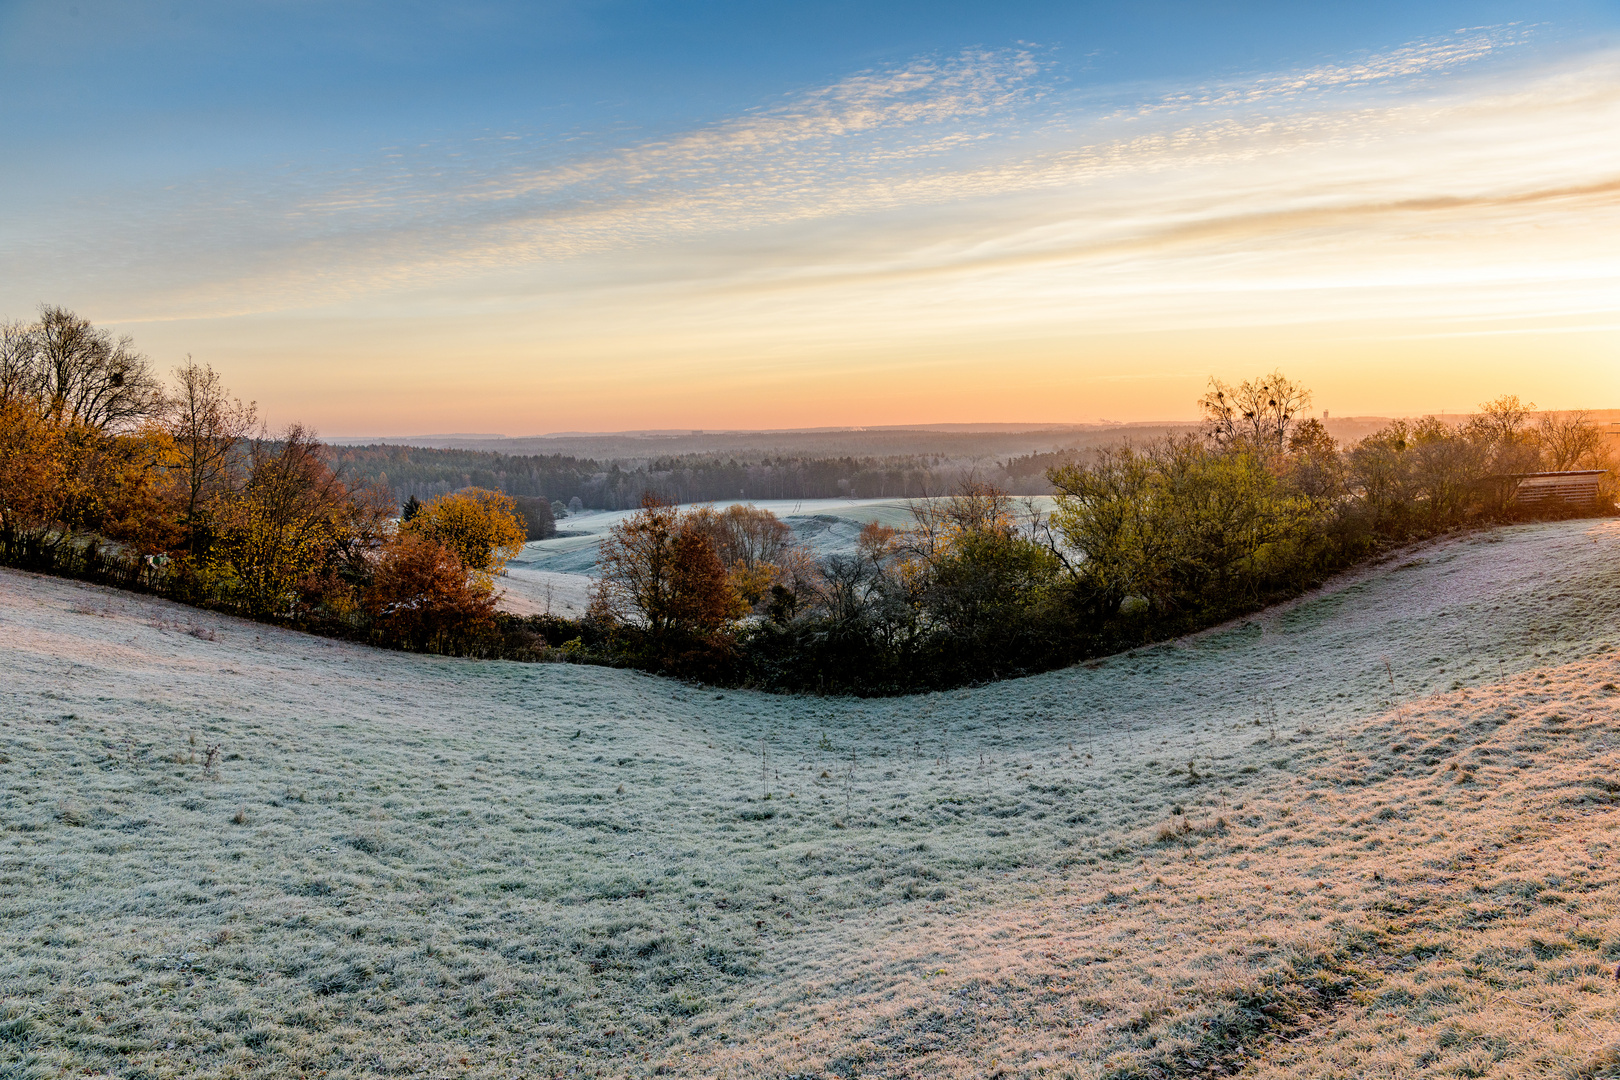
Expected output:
{"points": [[619, 485], [111, 473], [1144, 542]]}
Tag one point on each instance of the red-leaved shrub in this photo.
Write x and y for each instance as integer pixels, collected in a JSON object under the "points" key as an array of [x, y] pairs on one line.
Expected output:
{"points": [[423, 597]]}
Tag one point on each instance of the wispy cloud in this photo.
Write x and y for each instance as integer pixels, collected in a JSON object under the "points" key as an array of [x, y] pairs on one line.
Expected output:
{"points": [[780, 159], [1412, 63], [960, 199], [963, 132]]}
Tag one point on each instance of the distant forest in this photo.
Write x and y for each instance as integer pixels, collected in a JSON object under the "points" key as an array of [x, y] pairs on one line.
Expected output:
{"points": [[414, 472]]}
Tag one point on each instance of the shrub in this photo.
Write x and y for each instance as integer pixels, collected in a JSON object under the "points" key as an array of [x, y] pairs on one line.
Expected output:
{"points": [[422, 597]]}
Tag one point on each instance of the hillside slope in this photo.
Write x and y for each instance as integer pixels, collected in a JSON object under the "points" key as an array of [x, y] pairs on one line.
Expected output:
{"points": [[423, 866]]}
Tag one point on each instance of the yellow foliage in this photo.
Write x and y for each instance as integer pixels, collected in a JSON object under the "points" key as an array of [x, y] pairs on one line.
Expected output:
{"points": [[751, 583], [267, 550], [142, 490], [285, 523], [33, 475], [482, 527]]}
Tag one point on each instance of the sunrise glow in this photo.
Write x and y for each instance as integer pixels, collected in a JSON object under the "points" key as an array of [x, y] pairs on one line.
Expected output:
{"points": [[986, 231]]}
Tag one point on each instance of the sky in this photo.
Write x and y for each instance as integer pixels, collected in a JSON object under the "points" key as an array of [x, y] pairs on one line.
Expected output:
{"points": [[570, 215]]}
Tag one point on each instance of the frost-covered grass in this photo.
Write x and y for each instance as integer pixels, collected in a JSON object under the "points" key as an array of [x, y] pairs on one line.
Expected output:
{"points": [[416, 865], [1438, 896]]}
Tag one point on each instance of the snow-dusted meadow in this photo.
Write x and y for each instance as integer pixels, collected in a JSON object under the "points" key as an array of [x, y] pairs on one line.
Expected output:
{"points": [[233, 850]]}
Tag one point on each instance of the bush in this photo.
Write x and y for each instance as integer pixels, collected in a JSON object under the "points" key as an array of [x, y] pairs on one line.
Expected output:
{"points": [[1189, 529], [103, 477], [423, 598]]}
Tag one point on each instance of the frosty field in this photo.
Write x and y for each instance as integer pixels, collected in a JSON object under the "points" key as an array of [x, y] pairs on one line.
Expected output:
{"points": [[1363, 834], [555, 575]]}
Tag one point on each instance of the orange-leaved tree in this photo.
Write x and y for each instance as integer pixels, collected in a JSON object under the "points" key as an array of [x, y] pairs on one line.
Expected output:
{"points": [[660, 570], [421, 597], [755, 547], [137, 490], [33, 483]]}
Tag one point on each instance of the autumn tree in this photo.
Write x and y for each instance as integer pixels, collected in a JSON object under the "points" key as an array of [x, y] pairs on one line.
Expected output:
{"points": [[659, 570], [482, 527], [422, 597], [34, 481], [209, 429], [289, 517], [76, 455], [134, 490], [755, 547]]}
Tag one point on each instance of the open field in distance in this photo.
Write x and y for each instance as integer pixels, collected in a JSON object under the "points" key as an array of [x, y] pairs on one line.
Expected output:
{"points": [[555, 575]]}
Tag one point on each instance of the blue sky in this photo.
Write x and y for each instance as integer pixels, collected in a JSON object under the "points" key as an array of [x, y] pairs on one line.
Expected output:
{"points": [[707, 213], [178, 84]]}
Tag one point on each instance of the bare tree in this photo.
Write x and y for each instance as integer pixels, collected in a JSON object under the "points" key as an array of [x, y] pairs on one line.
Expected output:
{"points": [[20, 377], [1258, 411], [1503, 420], [1446, 468], [89, 377], [209, 429], [1502, 432], [750, 536], [975, 506], [1314, 466], [1568, 439]]}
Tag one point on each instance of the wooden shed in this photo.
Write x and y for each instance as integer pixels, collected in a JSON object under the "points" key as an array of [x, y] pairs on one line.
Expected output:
{"points": [[1577, 488]]}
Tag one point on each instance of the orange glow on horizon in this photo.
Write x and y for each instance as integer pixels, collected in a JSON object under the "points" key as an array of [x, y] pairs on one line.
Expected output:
{"points": [[1402, 255]]}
